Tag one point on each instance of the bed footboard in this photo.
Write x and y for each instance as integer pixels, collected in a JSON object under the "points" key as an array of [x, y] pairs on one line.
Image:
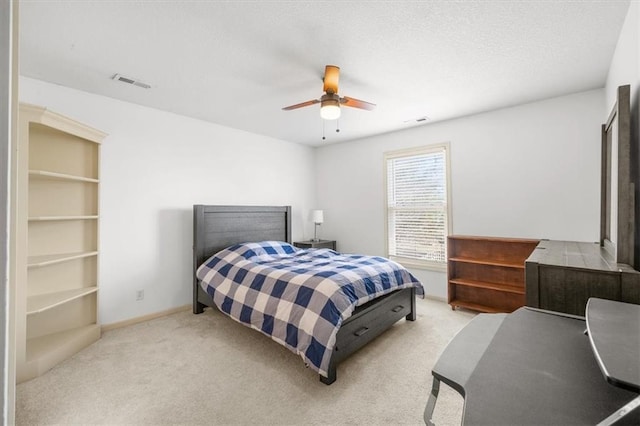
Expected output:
{"points": [[368, 322]]}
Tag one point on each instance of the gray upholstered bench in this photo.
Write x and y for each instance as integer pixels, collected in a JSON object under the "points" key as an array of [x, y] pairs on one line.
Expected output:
{"points": [[460, 357]]}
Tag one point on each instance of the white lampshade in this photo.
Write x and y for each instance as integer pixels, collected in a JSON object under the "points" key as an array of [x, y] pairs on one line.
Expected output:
{"points": [[317, 216], [330, 109]]}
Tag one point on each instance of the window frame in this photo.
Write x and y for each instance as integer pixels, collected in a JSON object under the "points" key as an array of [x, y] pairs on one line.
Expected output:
{"points": [[408, 152]]}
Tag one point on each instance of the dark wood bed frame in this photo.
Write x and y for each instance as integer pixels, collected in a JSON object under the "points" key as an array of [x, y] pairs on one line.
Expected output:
{"points": [[218, 227]]}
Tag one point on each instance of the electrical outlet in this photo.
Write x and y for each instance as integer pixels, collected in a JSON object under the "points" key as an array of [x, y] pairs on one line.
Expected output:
{"points": [[139, 295]]}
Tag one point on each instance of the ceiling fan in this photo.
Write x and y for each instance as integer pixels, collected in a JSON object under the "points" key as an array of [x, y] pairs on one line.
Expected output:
{"points": [[330, 102]]}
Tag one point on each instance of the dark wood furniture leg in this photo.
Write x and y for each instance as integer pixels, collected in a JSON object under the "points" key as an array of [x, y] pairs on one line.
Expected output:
{"points": [[332, 374], [198, 308], [412, 315]]}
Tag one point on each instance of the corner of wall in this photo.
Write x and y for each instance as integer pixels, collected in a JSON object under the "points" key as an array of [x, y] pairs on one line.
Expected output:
{"points": [[625, 62]]}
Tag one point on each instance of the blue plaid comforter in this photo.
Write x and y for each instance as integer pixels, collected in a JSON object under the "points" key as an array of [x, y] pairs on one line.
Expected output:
{"points": [[298, 297]]}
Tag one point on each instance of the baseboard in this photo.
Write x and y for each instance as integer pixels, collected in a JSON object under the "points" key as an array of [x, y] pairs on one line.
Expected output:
{"points": [[439, 299], [148, 317]]}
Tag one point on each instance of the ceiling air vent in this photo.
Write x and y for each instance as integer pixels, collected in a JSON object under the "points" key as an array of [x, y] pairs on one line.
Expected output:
{"points": [[417, 120], [120, 77]]}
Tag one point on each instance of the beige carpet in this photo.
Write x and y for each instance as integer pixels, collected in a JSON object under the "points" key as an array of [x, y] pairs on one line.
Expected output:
{"points": [[208, 369]]}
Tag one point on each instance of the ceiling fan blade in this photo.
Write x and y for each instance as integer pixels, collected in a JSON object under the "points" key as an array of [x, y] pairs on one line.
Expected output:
{"points": [[357, 103], [331, 77], [300, 105]]}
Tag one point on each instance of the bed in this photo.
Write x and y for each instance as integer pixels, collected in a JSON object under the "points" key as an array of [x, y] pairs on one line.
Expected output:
{"points": [[217, 228]]}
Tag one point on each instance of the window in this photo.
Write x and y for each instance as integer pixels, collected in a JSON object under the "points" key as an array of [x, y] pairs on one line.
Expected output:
{"points": [[417, 202]]}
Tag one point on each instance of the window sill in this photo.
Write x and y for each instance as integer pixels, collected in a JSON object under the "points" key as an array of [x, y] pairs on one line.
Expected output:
{"points": [[417, 264]]}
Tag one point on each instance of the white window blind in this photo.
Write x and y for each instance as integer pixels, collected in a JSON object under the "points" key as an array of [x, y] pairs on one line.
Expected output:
{"points": [[417, 205]]}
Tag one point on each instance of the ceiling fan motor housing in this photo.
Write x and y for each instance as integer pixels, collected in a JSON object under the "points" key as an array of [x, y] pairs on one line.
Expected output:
{"points": [[330, 98]]}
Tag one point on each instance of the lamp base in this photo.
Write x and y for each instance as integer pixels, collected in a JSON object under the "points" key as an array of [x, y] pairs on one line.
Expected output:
{"points": [[315, 238]]}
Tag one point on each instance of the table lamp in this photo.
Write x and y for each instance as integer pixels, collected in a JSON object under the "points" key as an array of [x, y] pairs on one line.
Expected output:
{"points": [[317, 217]]}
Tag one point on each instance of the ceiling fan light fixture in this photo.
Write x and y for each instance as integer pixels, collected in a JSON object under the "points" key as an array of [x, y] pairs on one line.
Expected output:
{"points": [[330, 109], [330, 102]]}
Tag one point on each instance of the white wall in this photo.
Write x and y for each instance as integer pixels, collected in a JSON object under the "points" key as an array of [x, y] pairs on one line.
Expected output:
{"points": [[155, 166], [625, 64], [526, 171]]}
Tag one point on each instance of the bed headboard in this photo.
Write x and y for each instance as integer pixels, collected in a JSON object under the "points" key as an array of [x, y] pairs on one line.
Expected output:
{"points": [[218, 227]]}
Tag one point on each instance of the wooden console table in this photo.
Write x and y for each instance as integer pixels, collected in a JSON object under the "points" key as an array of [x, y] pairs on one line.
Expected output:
{"points": [[562, 275]]}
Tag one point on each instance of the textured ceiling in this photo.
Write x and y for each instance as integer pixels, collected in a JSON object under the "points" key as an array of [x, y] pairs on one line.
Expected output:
{"points": [[237, 63]]}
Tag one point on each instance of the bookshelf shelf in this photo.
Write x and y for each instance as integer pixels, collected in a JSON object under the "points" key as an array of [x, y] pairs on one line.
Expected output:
{"points": [[486, 274]]}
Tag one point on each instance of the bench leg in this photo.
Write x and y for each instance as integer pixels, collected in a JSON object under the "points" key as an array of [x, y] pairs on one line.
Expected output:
{"points": [[619, 414], [431, 403]]}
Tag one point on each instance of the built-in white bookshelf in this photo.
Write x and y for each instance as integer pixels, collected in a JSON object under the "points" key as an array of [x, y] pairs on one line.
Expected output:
{"points": [[56, 220]]}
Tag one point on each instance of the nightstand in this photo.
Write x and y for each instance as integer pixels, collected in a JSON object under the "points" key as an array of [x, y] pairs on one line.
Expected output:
{"points": [[330, 244]]}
